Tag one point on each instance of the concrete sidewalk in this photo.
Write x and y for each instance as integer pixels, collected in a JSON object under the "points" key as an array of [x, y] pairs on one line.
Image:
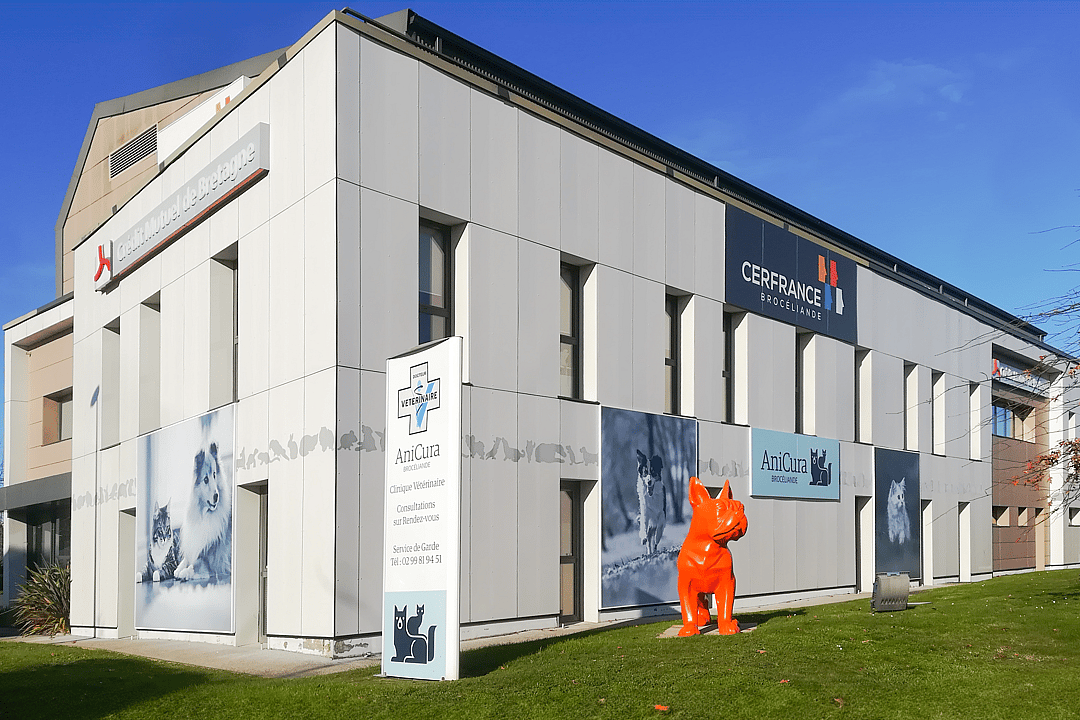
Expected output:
{"points": [[259, 661]]}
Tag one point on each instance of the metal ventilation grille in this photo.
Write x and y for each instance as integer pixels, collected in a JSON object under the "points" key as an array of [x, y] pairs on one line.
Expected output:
{"points": [[134, 151]]}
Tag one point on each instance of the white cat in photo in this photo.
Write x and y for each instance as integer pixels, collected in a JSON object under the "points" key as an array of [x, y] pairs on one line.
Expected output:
{"points": [[899, 525]]}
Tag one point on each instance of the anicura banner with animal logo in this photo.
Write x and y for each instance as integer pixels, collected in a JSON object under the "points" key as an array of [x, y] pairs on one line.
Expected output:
{"points": [[794, 466], [184, 540], [422, 513], [645, 469]]}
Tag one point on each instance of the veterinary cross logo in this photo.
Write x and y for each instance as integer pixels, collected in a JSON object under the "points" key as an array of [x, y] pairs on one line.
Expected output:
{"points": [[104, 264], [418, 399]]}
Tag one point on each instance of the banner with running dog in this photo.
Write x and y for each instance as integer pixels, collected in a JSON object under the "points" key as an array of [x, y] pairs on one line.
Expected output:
{"points": [[184, 536], [645, 468]]}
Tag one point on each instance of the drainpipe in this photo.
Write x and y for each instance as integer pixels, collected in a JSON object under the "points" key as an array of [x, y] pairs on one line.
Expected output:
{"points": [[97, 460]]}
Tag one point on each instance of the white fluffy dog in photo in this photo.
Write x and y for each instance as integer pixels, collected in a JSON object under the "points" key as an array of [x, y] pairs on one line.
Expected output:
{"points": [[206, 535]]}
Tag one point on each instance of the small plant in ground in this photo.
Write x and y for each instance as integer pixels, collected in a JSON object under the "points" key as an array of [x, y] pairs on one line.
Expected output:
{"points": [[43, 604]]}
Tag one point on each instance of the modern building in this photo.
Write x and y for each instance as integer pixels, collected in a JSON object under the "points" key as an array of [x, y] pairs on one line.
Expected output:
{"points": [[197, 422]]}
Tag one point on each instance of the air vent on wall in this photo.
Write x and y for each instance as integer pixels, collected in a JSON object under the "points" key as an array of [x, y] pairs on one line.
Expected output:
{"points": [[132, 152]]}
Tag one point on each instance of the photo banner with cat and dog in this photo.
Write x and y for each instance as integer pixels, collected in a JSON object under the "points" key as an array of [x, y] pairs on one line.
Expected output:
{"points": [[184, 536], [422, 513], [646, 464]]}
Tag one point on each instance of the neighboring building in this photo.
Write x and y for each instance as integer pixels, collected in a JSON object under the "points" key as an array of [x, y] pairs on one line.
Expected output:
{"points": [[237, 257]]}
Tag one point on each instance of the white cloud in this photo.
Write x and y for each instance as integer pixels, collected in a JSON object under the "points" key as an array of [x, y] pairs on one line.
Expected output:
{"points": [[890, 86]]}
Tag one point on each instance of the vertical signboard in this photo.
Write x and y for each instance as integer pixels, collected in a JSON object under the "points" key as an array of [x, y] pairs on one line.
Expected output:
{"points": [[422, 513], [897, 512], [794, 466]]}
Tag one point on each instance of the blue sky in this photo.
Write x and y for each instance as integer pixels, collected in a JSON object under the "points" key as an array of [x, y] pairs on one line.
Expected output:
{"points": [[945, 134]]}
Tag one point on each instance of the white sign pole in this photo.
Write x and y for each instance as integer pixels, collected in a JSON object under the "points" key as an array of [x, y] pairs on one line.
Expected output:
{"points": [[422, 513]]}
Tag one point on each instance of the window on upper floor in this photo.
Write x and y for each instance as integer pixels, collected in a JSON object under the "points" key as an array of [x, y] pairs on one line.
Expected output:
{"points": [[862, 376], [1008, 419], [671, 357], [937, 411], [56, 417], [435, 282], [802, 349], [570, 331], [730, 323]]}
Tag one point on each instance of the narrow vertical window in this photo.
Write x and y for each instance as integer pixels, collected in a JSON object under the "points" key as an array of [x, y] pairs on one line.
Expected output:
{"points": [[671, 358], [150, 363], [911, 407], [937, 412], [223, 327], [434, 282], [861, 369], [802, 345], [570, 332], [109, 390], [729, 367]]}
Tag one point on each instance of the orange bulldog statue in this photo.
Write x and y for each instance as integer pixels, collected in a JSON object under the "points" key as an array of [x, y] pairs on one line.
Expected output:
{"points": [[705, 562]]}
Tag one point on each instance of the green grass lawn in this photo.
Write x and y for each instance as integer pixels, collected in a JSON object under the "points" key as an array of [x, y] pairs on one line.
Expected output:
{"points": [[1004, 648]]}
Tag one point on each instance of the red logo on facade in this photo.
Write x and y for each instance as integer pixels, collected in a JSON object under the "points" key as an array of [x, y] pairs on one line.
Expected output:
{"points": [[103, 263]]}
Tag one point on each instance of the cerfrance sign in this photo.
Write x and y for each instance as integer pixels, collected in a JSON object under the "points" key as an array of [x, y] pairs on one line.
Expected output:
{"points": [[774, 272], [794, 466], [245, 163], [422, 513]]}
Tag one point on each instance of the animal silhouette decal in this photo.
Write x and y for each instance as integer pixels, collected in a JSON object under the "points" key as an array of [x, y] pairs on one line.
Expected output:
{"points": [[705, 562], [409, 645], [652, 501]]}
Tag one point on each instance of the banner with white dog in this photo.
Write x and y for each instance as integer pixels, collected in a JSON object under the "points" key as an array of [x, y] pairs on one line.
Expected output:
{"points": [[184, 536], [646, 464]]}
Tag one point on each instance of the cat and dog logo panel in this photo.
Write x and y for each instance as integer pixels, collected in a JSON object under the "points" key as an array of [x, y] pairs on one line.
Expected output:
{"points": [[794, 466], [419, 638], [184, 537]]}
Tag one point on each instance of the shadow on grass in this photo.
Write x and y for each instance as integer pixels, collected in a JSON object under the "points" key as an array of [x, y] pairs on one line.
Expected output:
{"points": [[756, 619], [88, 687], [480, 662]]}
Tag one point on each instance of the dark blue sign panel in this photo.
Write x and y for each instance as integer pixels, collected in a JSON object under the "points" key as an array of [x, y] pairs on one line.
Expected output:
{"points": [[774, 272], [794, 466]]}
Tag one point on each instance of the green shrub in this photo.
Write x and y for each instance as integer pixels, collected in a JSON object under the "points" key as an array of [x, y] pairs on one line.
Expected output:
{"points": [[43, 604]]}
